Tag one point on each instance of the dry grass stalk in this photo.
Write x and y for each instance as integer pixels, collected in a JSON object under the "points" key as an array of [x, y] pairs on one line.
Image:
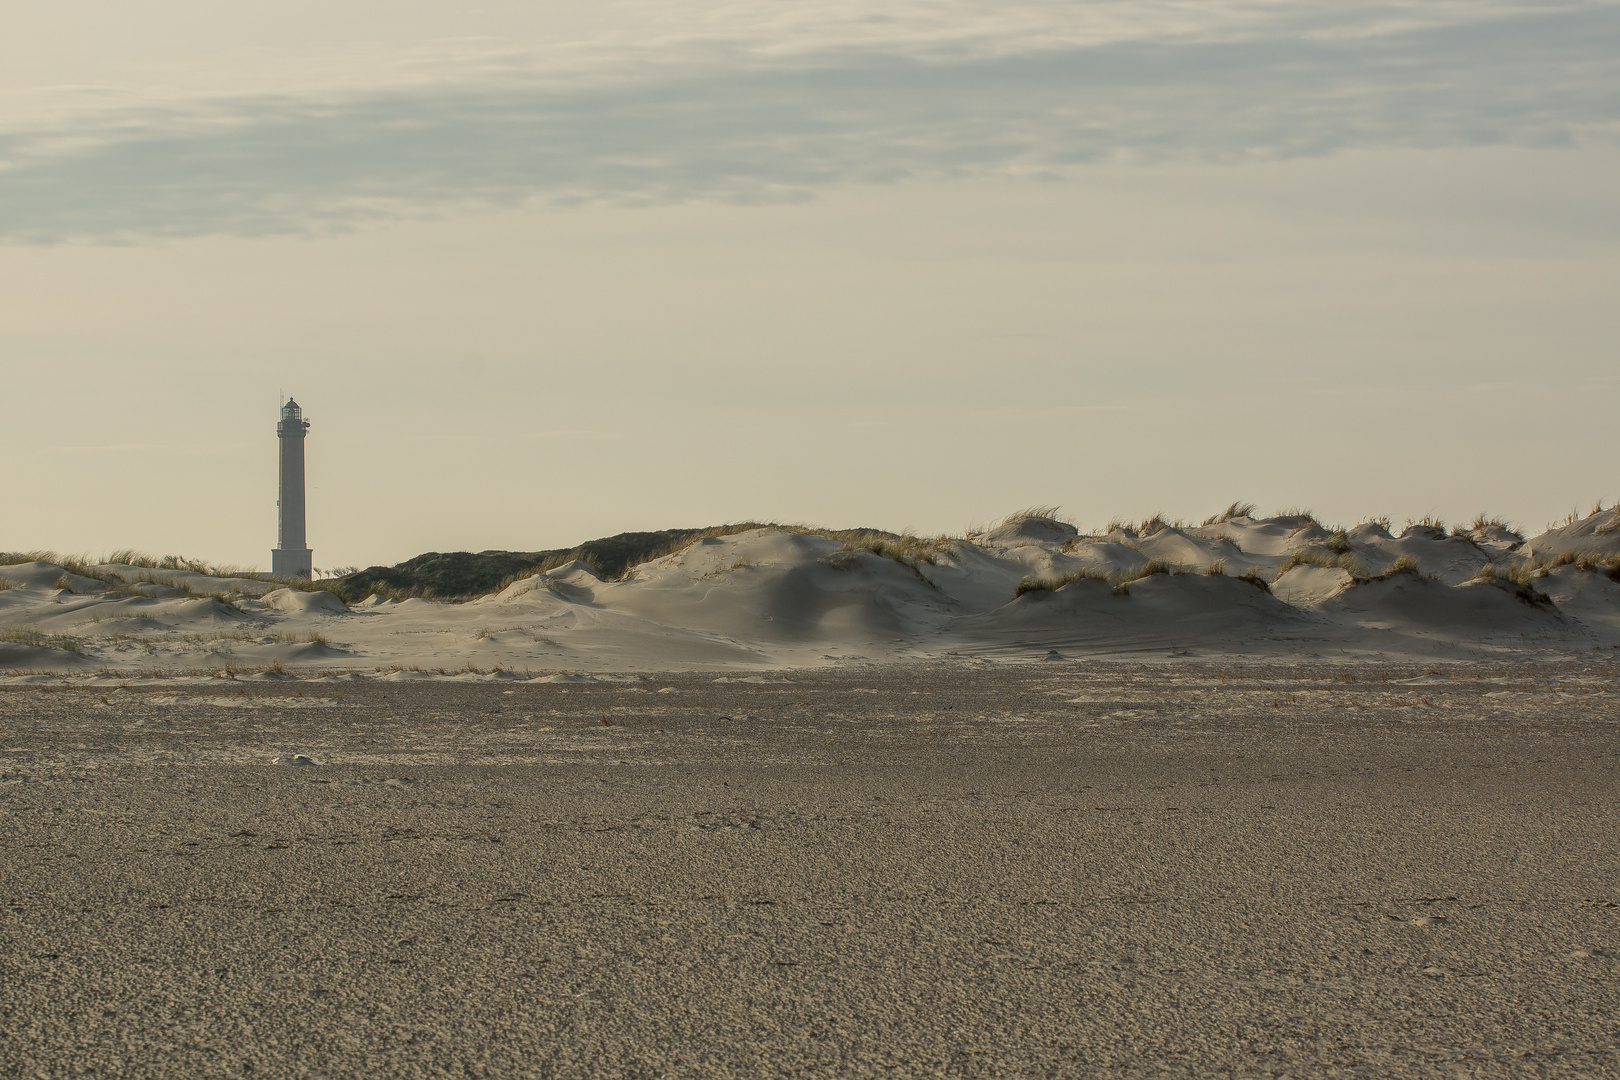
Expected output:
{"points": [[1516, 579], [1043, 513], [905, 548], [1235, 510], [1120, 582], [1329, 556], [1483, 521], [1593, 562], [22, 635], [1405, 564]]}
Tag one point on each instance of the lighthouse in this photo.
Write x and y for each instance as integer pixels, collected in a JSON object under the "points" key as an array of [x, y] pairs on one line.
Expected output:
{"points": [[291, 557]]}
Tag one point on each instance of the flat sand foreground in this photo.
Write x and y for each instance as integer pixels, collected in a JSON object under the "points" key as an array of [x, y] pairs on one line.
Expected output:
{"points": [[1044, 869]]}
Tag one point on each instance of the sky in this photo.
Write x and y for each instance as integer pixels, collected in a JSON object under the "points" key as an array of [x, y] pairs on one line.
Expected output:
{"points": [[540, 272]]}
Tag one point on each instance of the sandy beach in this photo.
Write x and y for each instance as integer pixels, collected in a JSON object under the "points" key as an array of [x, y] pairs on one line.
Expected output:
{"points": [[925, 870]]}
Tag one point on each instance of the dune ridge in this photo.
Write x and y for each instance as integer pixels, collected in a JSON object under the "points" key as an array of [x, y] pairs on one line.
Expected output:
{"points": [[753, 595]]}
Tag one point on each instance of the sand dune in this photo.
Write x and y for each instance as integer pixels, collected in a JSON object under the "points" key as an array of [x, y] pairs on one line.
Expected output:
{"points": [[773, 597]]}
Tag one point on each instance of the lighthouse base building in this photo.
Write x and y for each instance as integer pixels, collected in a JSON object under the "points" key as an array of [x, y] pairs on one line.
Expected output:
{"points": [[292, 563]]}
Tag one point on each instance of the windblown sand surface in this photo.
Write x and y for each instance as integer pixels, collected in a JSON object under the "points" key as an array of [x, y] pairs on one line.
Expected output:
{"points": [[774, 598], [1037, 869]]}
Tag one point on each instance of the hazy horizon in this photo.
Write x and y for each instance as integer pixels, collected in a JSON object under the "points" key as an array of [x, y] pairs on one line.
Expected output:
{"points": [[540, 274]]}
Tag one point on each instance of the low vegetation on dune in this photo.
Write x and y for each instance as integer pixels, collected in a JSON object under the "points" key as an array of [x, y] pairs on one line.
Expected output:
{"points": [[1594, 562], [1516, 573], [1250, 576], [121, 573], [73, 564], [1336, 541], [85, 566], [1298, 516], [130, 557], [465, 575], [1517, 581], [1039, 513], [1325, 555], [904, 548], [1575, 517], [1121, 581], [1235, 510], [1030, 583], [123, 583], [1489, 522], [1405, 565], [22, 635], [1140, 529]]}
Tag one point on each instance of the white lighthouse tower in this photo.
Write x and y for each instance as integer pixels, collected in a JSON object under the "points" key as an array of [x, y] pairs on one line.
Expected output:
{"points": [[291, 557]]}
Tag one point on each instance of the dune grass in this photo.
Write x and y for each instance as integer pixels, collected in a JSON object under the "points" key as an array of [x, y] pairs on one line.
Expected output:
{"points": [[120, 583], [1404, 565], [128, 557], [617, 558], [22, 635], [1145, 528], [1235, 510], [1120, 582], [289, 638], [1253, 577], [906, 549], [85, 566], [1218, 569], [1483, 521], [1574, 517], [7, 584], [542, 584], [1517, 580], [458, 576], [120, 616], [1337, 541], [1325, 555], [117, 582], [1030, 583], [73, 564], [1314, 555], [1514, 573], [1427, 521], [1043, 513], [1298, 513], [679, 544], [1607, 563], [1151, 568], [1157, 524]]}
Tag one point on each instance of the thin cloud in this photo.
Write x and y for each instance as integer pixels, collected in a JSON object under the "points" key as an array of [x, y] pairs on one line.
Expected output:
{"points": [[738, 128]]}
